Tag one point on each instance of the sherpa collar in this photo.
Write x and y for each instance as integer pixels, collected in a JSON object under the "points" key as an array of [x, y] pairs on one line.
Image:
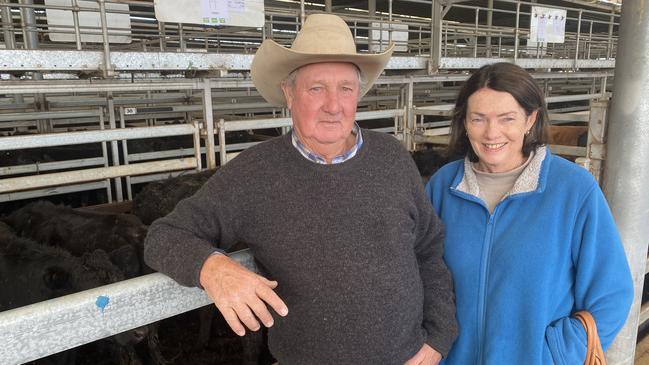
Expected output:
{"points": [[528, 181]]}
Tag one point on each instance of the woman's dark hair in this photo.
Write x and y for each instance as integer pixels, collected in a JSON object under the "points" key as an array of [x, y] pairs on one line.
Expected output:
{"points": [[504, 77]]}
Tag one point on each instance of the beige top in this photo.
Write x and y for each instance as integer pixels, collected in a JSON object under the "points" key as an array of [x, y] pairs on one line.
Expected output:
{"points": [[495, 186]]}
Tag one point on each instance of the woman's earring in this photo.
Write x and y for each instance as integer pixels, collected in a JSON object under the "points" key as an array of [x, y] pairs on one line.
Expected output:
{"points": [[527, 133]]}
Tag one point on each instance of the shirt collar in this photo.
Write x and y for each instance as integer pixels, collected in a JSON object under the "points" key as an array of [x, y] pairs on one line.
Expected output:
{"points": [[314, 157]]}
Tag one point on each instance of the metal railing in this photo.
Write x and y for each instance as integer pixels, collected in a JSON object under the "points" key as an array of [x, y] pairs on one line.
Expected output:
{"points": [[590, 35]]}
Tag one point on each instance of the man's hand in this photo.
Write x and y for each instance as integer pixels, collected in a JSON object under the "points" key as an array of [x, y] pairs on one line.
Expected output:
{"points": [[426, 356], [239, 294]]}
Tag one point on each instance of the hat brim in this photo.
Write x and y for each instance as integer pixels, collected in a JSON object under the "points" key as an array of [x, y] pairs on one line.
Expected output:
{"points": [[273, 63]]}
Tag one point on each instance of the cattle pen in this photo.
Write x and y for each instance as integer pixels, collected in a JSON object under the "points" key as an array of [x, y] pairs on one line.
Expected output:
{"points": [[102, 99]]}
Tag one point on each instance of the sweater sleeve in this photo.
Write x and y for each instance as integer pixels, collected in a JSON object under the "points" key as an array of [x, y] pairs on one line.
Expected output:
{"points": [[439, 299], [603, 284], [178, 244]]}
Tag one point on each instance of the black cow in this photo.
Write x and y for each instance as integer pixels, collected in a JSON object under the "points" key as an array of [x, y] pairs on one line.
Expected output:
{"points": [[428, 161], [31, 273], [80, 232], [159, 198]]}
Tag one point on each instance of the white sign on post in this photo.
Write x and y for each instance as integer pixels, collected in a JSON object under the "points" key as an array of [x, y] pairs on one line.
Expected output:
{"points": [[547, 25], [214, 11], [244, 13]]}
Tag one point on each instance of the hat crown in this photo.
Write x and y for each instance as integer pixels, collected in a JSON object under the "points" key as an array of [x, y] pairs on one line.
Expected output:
{"points": [[324, 34], [323, 38]]}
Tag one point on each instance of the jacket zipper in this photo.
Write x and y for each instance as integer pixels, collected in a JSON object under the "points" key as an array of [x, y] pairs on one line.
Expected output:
{"points": [[484, 269]]}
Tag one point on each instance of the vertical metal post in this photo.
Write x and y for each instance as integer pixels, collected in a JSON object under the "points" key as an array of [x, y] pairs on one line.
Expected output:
{"points": [[516, 30], [113, 146], [30, 32], [9, 38], [590, 40], [163, 36], [595, 148], [409, 129], [8, 26], [108, 66], [609, 45], [197, 145], [181, 37], [302, 14], [435, 36], [445, 41], [104, 151], [500, 45], [626, 175], [578, 37], [371, 12], [475, 45], [222, 152], [490, 14], [209, 124], [328, 6], [75, 18], [122, 124], [30, 40], [389, 20]]}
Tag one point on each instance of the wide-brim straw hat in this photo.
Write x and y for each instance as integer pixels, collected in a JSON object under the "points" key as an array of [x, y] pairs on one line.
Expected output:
{"points": [[323, 38]]}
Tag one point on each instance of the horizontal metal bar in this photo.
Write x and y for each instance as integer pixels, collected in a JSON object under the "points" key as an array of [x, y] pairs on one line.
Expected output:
{"points": [[570, 117], [69, 177], [56, 190], [242, 125], [49, 166], [60, 139], [53, 86], [80, 86], [442, 131], [568, 150], [145, 156], [379, 114], [437, 110], [13, 117], [528, 63], [564, 98], [66, 61], [35, 331]]}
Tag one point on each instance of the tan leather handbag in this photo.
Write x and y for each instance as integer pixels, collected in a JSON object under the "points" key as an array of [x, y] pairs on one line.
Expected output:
{"points": [[594, 352]]}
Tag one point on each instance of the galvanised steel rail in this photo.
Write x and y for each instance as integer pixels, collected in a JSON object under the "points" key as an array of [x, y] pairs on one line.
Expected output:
{"points": [[38, 330]]}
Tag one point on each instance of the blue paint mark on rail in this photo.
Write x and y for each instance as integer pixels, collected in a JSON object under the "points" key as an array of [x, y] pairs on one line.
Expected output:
{"points": [[102, 302]]}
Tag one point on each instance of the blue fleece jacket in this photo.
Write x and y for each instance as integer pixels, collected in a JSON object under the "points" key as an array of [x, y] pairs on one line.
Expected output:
{"points": [[549, 249]]}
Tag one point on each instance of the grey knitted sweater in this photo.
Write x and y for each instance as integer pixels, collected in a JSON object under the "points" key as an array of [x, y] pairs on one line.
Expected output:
{"points": [[355, 247]]}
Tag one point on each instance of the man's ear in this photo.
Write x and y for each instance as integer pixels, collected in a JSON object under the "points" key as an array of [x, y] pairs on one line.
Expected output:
{"points": [[288, 94]]}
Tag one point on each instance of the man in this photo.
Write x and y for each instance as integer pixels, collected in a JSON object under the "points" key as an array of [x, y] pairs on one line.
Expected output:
{"points": [[336, 217]]}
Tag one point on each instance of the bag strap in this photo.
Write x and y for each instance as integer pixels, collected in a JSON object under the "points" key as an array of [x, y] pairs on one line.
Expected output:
{"points": [[594, 351]]}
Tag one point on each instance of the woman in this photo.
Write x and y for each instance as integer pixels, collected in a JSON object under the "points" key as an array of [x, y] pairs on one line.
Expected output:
{"points": [[529, 237]]}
